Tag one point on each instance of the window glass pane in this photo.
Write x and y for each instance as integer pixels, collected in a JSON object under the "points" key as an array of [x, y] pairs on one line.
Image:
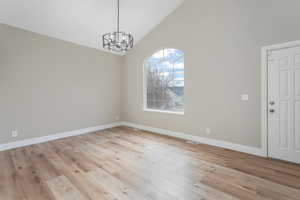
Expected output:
{"points": [[164, 74]]}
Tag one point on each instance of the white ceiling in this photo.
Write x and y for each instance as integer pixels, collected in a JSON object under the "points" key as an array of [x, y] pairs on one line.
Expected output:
{"points": [[84, 21]]}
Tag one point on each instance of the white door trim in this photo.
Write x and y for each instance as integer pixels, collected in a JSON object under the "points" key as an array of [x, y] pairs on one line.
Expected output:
{"points": [[264, 89]]}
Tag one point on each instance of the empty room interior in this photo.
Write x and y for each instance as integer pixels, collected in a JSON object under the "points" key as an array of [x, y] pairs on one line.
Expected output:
{"points": [[150, 100]]}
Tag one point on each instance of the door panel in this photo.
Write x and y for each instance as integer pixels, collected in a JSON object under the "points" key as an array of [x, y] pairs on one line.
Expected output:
{"points": [[297, 83], [297, 59], [284, 125], [284, 104], [297, 126], [284, 62], [284, 84]]}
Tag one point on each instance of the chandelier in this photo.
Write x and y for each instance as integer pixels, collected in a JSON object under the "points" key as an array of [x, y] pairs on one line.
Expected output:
{"points": [[118, 41]]}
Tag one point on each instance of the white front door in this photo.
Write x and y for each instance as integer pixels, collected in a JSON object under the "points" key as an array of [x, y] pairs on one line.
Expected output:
{"points": [[284, 104]]}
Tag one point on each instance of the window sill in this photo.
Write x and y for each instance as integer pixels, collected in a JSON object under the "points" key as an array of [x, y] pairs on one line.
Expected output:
{"points": [[162, 111]]}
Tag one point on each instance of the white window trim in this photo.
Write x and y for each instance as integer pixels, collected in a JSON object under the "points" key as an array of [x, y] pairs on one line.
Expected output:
{"points": [[144, 106], [162, 111]]}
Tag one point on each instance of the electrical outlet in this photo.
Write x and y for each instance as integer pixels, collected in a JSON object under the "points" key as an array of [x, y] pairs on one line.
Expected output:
{"points": [[208, 131], [14, 133]]}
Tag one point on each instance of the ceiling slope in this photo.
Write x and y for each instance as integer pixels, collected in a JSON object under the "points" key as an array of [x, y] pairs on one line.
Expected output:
{"points": [[85, 21]]}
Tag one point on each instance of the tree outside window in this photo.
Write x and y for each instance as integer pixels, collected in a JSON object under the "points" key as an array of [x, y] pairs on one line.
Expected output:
{"points": [[164, 81]]}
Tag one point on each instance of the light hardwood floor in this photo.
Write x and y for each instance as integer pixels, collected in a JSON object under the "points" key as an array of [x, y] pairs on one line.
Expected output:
{"points": [[126, 164]]}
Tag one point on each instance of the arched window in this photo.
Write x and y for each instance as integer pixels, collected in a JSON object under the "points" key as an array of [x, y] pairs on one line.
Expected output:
{"points": [[164, 81]]}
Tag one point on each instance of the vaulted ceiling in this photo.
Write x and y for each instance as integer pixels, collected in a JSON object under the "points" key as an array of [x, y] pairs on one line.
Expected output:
{"points": [[84, 21]]}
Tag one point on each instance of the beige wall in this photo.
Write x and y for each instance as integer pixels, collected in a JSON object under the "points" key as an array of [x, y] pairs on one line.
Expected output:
{"points": [[49, 86], [222, 41]]}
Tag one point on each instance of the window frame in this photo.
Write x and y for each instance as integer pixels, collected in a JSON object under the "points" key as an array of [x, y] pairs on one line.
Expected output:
{"points": [[144, 102]]}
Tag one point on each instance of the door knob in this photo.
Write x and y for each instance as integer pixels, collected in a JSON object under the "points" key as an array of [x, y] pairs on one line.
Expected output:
{"points": [[272, 110], [272, 103]]}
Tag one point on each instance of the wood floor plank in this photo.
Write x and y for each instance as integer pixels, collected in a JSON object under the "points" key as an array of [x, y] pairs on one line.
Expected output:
{"points": [[76, 176], [28, 177], [63, 189], [128, 164], [9, 186]]}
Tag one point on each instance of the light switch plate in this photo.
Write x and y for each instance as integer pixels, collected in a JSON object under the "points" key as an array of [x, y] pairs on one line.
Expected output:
{"points": [[208, 131], [14, 133], [245, 97]]}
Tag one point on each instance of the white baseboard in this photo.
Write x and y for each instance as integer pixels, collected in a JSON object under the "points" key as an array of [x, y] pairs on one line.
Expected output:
{"points": [[213, 142], [218, 143], [56, 136]]}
